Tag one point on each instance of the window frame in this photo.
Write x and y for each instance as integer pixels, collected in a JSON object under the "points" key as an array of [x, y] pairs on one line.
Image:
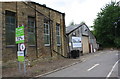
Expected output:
{"points": [[31, 30], [46, 32], [58, 34], [10, 26]]}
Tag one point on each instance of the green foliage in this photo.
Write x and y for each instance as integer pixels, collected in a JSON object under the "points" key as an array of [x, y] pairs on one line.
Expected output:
{"points": [[104, 27], [82, 22], [117, 41], [72, 23]]}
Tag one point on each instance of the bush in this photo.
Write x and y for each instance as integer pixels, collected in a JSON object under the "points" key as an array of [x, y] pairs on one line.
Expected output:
{"points": [[117, 42]]}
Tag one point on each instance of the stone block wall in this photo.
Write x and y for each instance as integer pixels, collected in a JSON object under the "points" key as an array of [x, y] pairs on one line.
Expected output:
{"points": [[40, 12], [0, 31]]}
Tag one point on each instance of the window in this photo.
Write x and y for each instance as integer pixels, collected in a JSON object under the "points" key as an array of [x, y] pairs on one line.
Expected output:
{"points": [[10, 22], [46, 33], [58, 33], [31, 30]]}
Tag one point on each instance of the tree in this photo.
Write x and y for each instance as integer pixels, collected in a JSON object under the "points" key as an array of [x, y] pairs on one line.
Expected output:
{"points": [[82, 22], [72, 23], [104, 27]]}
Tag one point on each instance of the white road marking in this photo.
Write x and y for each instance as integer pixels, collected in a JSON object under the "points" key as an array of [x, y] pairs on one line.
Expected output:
{"points": [[92, 67], [112, 69], [84, 60]]}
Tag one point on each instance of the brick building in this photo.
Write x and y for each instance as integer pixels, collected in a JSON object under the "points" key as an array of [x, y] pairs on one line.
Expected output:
{"points": [[44, 30]]}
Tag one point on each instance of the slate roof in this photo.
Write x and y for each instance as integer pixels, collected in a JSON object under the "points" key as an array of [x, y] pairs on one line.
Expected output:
{"points": [[71, 28], [46, 7]]}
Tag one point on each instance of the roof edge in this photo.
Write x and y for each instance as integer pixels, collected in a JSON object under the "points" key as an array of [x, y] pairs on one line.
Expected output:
{"points": [[46, 7], [74, 29]]}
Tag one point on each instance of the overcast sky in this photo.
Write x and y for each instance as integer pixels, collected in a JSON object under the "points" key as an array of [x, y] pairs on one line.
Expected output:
{"points": [[77, 10]]}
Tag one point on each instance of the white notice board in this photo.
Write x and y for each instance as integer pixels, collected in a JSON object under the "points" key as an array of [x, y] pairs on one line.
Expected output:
{"points": [[76, 41]]}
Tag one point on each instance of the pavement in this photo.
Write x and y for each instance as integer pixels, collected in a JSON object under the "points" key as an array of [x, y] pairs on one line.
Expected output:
{"points": [[101, 64]]}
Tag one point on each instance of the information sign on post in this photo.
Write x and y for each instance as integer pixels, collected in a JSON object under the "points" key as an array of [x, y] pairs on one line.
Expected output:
{"points": [[20, 56], [20, 35], [21, 47]]}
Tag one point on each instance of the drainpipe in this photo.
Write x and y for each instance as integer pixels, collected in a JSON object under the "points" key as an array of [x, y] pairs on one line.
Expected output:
{"points": [[36, 32], [68, 47], [16, 27], [50, 35], [61, 38]]}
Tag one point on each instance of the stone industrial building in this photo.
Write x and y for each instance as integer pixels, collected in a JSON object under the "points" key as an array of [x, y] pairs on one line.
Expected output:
{"points": [[44, 30], [87, 39]]}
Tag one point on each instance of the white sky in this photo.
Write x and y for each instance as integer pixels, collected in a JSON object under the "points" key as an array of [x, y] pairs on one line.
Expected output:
{"points": [[75, 10]]}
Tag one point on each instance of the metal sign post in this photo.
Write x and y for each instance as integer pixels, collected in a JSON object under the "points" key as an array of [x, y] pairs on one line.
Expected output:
{"points": [[21, 47]]}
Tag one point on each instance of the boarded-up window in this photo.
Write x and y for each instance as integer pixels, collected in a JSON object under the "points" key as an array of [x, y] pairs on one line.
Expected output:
{"points": [[10, 22]]}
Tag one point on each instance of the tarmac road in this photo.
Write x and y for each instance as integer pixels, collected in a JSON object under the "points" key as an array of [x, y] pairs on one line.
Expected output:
{"points": [[103, 64]]}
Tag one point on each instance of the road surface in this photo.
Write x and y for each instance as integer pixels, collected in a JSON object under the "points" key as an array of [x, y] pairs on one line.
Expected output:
{"points": [[102, 64]]}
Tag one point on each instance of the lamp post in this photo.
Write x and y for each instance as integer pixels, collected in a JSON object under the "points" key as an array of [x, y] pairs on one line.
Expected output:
{"points": [[115, 33], [116, 25]]}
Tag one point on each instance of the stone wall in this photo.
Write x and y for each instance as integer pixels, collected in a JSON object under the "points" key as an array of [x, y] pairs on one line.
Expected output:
{"points": [[0, 31], [25, 9]]}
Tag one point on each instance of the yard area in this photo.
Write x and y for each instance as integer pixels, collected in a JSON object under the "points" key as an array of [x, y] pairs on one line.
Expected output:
{"points": [[36, 67]]}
